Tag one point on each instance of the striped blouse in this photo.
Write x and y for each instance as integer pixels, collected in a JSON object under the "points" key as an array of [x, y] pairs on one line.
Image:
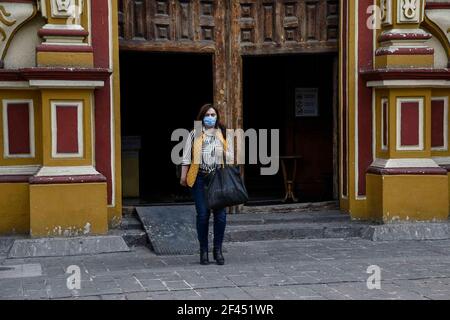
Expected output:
{"points": [[212, 152]]}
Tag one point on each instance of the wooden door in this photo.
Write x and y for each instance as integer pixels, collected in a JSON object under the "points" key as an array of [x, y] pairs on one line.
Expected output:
{"points": [[287, 26]]}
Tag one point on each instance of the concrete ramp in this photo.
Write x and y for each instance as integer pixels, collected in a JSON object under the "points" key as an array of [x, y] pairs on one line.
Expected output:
{"points": [[171, 230]]}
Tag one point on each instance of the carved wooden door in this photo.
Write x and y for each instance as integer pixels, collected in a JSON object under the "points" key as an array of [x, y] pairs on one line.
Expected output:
{"points": [[283, 26], [260, 26], [169, 25]]}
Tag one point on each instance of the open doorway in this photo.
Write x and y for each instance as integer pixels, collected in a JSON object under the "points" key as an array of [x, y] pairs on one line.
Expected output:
{"points": [[160, 92], [296, 94]]}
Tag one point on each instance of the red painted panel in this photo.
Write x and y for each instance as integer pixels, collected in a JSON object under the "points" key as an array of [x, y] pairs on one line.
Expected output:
{"points": [[409, 135], [385, 123], [100, 33], [100, 44], [437, 123], [365, 61], [67, 129], [19, 128]]}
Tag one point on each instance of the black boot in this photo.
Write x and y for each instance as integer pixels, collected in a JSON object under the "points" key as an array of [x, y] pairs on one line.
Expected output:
{"points": [[217, 252], [204, 259]]}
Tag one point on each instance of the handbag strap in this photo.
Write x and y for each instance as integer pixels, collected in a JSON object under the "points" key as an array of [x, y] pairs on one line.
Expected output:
{"points": [[225, 146]]}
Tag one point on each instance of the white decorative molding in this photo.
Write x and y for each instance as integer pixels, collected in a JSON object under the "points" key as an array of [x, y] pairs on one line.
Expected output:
{"points": [[27, 170], [67, 8], [386, 12], [66, 171], [71, 27], [409, 84], [384, 144], [7, 103], [405, 38], [445, 124], [410, 11], [14, 84], [112, 98], [358, 197], [442, 160], [64, 41], [52, 39], [62, 104], [420, 102], [405, 163], [37, 84], [79, 84]]}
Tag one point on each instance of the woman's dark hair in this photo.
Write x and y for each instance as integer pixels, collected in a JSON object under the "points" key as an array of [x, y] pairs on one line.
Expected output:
{"points": [[202, 112]]}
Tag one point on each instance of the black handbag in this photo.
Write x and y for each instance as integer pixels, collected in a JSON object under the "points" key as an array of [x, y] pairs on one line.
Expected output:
{"points": [[225, 188]]}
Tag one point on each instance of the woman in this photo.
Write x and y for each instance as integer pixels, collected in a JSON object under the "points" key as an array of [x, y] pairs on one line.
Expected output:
{"points": [[203, 153]]}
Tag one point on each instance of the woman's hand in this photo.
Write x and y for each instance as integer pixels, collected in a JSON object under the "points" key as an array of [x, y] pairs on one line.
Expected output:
{"points": [[183, 179]]}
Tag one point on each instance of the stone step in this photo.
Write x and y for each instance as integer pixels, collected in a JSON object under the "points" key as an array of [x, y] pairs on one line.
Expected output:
{"points": [[131, 222], [286, 218], [267, 207], [6, 243], [132, 231], [132, 237], [408, 231], [283, 231], [73, 246]]}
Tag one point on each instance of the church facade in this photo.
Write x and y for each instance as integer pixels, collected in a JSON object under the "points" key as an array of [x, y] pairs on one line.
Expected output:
{"points": [[61, 120]]}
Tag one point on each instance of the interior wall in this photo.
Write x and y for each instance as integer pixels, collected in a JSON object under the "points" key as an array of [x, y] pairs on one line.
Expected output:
{"points": [[160, 93], [269, 102]]}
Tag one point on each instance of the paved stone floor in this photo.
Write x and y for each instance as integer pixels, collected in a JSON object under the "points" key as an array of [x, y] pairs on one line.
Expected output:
{"points": [[282, 269]]}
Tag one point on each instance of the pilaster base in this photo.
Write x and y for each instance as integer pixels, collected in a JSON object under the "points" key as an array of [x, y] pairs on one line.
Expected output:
{"points": [[407, 197], [14, 208], [404, 61], [65, 59], [68, 209]]}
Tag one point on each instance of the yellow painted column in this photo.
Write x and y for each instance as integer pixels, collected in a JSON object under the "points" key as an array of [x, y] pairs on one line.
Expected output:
{"points": [[67, 195], [405, 182], [20, 121]]}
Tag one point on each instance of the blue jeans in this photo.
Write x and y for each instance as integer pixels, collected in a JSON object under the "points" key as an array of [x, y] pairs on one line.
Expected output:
{"points": [[203, 214]]}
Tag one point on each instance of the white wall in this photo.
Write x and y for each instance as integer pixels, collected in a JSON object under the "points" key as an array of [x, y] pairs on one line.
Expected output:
{"points": [[22, 49], [440, 56]]}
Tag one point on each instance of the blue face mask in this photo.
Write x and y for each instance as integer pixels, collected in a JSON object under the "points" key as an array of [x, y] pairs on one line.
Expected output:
{"points": [[209, 121]]}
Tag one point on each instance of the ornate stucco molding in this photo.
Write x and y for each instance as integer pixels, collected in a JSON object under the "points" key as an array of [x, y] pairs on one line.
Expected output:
{"points": [[13, 15], [402, 42], [64, 26], [66, 34], [410, 11], [61, 8]]}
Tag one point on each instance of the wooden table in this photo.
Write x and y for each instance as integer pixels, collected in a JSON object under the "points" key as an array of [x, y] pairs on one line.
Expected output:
{"points": [[289, 173]]}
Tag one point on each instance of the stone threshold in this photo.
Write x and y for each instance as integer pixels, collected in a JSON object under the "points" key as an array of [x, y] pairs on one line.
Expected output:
{"points": [[61, 247]]}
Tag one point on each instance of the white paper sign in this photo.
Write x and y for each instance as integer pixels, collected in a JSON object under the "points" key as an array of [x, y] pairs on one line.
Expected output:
{"points": [[306, 102]]}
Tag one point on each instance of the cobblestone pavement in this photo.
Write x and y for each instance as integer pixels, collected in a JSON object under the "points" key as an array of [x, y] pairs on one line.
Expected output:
{"points": [[282, 269]]}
